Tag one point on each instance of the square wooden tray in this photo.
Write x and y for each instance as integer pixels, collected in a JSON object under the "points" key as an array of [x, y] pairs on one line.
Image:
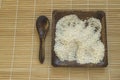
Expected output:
{"points": [[57, 14]]}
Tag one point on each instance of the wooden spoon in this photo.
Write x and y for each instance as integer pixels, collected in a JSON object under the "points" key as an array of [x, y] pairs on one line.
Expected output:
{"points": [[42, 25]]}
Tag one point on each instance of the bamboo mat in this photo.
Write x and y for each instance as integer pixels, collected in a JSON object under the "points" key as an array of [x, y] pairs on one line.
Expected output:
{"points": [[19, 42]]}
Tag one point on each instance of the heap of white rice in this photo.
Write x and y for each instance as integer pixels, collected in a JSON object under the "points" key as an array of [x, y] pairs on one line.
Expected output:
{"points": [[79, 40]]}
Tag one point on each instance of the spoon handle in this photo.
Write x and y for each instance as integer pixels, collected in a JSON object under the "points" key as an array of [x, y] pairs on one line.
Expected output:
{"points": [[42, 50]]}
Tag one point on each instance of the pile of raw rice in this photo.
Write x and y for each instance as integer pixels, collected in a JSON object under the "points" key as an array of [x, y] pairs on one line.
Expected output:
{"points": [[79, 40]]}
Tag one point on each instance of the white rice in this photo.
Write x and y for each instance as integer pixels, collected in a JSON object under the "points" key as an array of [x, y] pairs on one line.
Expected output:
{"points": [[77, 41]]}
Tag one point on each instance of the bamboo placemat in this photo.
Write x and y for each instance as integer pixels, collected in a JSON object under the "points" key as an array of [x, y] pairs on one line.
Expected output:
{"points": [[19, 42]]}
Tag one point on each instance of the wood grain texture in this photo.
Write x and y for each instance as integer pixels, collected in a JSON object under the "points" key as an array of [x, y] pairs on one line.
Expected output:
{"points": [[19, 41]]}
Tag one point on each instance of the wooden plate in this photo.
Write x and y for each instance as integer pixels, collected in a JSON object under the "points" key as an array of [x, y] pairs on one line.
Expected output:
{"points": [[57, 14]]}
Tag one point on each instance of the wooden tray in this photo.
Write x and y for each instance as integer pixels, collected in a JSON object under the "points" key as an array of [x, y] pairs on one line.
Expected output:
{"points": [[57, 14]]}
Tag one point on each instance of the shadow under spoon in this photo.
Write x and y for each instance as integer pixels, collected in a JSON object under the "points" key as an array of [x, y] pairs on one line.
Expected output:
{"points": [[42, 26]]}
